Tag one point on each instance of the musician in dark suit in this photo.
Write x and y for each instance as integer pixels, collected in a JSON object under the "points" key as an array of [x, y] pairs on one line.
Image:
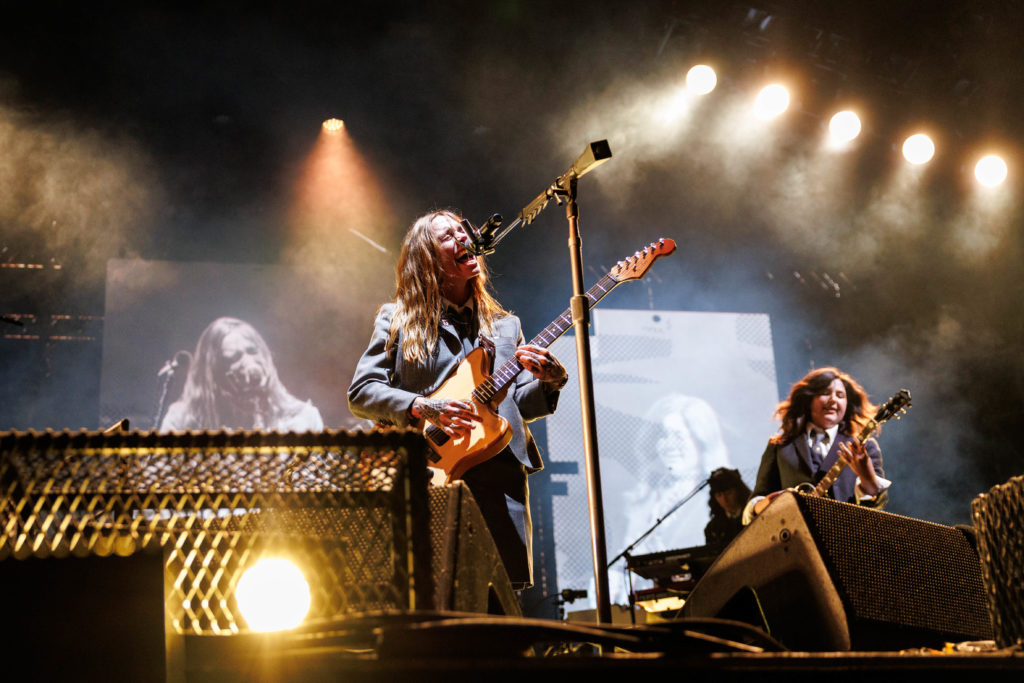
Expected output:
{"points": [[442, 309], [729, 493], [821, 418]]}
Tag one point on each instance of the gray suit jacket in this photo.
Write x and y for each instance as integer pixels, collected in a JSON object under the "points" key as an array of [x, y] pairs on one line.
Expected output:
{"points": [[384, 385], [788, 465]]}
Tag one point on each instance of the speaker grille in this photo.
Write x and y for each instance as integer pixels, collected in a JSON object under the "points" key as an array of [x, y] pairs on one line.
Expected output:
{"points": [[999, 519], [897, 570]]}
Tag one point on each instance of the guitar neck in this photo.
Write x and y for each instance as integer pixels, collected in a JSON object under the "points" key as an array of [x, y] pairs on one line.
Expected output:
{"points": [[504, 375], [821, 490]]}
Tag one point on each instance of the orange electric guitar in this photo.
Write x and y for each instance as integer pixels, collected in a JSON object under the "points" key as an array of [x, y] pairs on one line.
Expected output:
{"points": [[473, 382]]}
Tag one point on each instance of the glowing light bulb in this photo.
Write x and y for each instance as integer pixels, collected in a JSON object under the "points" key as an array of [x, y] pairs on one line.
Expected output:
{"points": [[844, 126], [273, 595], [771, 101], [990, 170], [701, 79], [333, 125], [918, 149]]}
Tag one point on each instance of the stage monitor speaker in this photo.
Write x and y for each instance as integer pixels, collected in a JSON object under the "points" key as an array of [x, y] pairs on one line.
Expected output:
{"points": [[820, 575], [467, 569]]}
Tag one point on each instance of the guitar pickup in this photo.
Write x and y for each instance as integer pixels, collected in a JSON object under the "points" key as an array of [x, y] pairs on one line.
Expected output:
{"points": [[439, 437]]}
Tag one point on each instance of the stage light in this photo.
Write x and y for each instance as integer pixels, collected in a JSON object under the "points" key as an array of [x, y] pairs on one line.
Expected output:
{"points": [[918, 149], [990, 171], [844, 126], [701, 79], [771, 101], [333, 125], [273, 595]]}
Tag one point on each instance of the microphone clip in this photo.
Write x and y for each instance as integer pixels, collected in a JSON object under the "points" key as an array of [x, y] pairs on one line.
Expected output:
{"points": [[482, 242]]}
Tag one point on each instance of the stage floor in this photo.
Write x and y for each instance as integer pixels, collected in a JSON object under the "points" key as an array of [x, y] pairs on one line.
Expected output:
{"points": [[499, 649]]}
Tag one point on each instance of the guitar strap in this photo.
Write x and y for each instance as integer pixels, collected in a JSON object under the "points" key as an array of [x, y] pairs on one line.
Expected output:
{"points": [[485, 343]]}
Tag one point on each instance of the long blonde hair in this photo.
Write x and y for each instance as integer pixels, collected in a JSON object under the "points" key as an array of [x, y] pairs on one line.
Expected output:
{"points": [[418, 300]]}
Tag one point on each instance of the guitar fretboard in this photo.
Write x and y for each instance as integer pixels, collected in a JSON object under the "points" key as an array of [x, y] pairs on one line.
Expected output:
{"points": [[504, 375]]}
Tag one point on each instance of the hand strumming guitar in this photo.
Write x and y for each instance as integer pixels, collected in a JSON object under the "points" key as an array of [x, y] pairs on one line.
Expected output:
{"points": [[456, 418], [856, 456]]}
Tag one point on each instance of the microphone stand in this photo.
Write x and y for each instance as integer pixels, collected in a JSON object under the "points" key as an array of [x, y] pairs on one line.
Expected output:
{"points": [[484, 241], [681, 503], [167, 374], [581, 321], [626, 553]]}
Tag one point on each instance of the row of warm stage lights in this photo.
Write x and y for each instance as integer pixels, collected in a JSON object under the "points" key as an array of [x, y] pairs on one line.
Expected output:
{"points": [[844, 126]]}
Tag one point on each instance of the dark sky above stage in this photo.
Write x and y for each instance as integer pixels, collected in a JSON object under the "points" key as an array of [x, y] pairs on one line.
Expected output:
{"points": [[178, 132]]}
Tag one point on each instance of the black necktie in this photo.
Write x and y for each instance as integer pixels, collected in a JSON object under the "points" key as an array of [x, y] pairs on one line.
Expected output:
{"points": [[464, 321]]}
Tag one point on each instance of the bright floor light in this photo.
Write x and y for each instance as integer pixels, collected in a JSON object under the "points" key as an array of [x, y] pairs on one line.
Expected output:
{"points": [[701, 79], [273, 595], [844, 126], [990, 171], [771, 101], [918, 149]]}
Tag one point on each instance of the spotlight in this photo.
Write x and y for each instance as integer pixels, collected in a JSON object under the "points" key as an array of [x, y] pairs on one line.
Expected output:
{"points": [[701, 79], [771, 101], [918, 149], [990, 171], [333, 125], [844, 126], [273, 595]]}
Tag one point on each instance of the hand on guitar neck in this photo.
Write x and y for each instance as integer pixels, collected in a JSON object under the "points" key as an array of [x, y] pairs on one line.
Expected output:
{"points": [[853, 454], [540, 362]]}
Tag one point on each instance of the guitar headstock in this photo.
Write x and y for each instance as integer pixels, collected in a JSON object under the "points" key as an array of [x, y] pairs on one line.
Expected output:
{"points": [[893, 407], [636, 266]]}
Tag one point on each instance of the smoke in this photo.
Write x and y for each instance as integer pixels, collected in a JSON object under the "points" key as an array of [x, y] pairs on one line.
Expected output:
{"points": [[928, 453], [72, 198], [909, 272], [74, 192]]}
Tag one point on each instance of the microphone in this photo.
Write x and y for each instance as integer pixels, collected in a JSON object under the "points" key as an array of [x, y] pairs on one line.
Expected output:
{"points": [[171, 365], [481, 242], [570, 595]]}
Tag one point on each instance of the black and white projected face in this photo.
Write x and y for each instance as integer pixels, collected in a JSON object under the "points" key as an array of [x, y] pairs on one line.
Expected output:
{"points": [[229, 346], [678, 395], [243, 368]]}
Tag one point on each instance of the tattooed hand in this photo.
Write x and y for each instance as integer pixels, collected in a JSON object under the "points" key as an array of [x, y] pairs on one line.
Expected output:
{"points": [[456, 418], [541, 363]]}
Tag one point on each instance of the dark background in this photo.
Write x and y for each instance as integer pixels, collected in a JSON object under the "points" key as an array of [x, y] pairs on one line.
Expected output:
{"points": [[178, 132]]}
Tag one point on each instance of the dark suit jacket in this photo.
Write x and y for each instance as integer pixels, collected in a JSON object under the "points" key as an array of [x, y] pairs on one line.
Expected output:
{"points": [[384, 385], [789, 465]]}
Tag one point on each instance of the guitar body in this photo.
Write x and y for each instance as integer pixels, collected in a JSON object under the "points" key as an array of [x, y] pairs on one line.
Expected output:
{"points": [[454, 456]]}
